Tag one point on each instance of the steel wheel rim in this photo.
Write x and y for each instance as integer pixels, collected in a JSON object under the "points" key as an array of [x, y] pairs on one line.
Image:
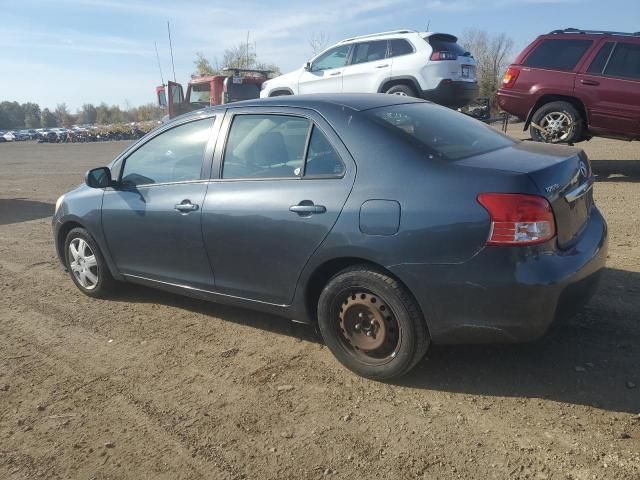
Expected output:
{"points": [[83, 263], [557, 126], [367, 327]]}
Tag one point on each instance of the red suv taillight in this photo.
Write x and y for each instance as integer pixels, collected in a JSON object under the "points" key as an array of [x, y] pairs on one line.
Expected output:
{"points": [[518, 219], [510, 77], [443, 56]]}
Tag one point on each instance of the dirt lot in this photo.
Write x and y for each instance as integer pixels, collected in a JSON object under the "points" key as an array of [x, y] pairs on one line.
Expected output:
{"points": [[151, 385]]}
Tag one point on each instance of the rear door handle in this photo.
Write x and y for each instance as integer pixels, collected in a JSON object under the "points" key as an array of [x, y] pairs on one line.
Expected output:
{"points": [[186, 206], [383, 66], [589, 82], [335, 73], [307, 208]]}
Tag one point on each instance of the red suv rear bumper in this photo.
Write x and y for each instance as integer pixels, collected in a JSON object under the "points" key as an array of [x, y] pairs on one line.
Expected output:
{"points": [[515, 103]]}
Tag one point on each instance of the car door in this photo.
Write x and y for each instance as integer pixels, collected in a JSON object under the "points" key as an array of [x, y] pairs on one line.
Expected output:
{"points": [[610, 88], [325, 72], [368, 67], [270, 209], [152, 216]]}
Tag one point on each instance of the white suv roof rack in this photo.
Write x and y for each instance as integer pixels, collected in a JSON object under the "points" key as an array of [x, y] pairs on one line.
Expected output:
{"points": [[393, 32]]}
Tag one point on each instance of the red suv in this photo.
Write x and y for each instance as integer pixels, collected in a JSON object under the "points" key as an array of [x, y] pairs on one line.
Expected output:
{"points": [[570, 85]]}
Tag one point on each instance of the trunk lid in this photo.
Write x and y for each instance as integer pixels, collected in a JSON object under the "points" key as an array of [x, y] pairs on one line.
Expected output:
{"points": [[561, 174]]}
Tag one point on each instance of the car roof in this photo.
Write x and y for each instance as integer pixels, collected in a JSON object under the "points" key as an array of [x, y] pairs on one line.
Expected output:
{"points": [[318, 102]]}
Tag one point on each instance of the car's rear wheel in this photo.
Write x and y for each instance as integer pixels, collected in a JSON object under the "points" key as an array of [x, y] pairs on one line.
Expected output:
{"points": [[86, 264], [556, 122], [402, 90], [371, 323]]}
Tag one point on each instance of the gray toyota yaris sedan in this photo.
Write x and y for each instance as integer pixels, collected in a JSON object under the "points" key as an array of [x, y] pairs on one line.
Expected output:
{"points": [[390, 221]]}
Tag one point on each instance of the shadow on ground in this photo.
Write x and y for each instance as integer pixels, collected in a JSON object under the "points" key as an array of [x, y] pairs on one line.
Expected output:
{"points": [[16, 210], [616, 170], [585, 361]]}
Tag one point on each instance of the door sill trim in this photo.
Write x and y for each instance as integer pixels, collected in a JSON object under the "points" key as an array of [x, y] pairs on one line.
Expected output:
{"points": [[210, 292]]}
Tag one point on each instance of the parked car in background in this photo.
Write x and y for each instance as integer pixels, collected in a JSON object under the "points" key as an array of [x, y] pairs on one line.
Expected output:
{"points": [[8, 136], [572, 84], [449, 233], [427, 65]]}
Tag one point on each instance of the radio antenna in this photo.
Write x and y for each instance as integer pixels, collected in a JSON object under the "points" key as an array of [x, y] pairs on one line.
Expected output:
{"points": [[171, 50], [159, 66]]}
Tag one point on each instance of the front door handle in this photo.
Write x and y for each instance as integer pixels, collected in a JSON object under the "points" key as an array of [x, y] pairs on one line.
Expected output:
{"points": [[307, 208], [589, 82], [383, 66], [186, 206], [335, 73]]}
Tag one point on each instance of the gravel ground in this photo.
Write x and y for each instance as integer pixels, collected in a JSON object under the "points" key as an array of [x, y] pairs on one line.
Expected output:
{"points": [[151, 385]]}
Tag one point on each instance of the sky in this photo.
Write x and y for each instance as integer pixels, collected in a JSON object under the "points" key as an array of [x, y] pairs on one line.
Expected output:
{"points": [[90, 51]]}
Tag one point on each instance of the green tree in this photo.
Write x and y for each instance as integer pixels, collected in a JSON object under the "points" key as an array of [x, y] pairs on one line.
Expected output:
{"points": [[11, 115], [87, 114], [47, 119], [204, 67], [31, 115]]}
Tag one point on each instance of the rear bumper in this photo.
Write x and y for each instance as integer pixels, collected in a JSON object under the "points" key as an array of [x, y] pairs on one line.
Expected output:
{"points": [[515, 103], [511, 294], [454, 94]]}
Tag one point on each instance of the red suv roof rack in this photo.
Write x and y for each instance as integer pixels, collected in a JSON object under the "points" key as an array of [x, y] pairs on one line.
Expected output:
{"points": [[594, 32]]}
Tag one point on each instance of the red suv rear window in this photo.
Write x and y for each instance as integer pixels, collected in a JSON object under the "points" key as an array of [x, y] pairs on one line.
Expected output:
{"points": [[556, 54]]}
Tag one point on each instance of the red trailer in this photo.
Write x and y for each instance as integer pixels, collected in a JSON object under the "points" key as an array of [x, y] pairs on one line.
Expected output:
{"points": [[238, 84]]}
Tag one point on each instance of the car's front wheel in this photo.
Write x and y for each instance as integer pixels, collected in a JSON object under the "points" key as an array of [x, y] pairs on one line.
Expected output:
{"points": [[371, 323], [556, 122], [86, 265]]}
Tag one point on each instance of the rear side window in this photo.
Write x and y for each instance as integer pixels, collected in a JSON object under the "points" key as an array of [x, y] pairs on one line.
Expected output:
{"points": [[445, 43], [625, 61], [369, 51], [399, 46], [322, 159], [440, 133], [265, 146], [556, 54], [598, 64]]}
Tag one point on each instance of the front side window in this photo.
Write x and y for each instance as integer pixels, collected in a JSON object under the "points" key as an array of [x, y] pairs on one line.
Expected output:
{"points": [[556, 54], [625, 61], [173, 156], [334, 58], [440, 133], [399, 46], [369, 51], [265, 146]]}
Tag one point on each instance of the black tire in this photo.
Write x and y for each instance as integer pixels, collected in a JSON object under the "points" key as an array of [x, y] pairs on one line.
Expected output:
{"points": [[405, 337], [559, 109], [402, 89], [105, 283]]}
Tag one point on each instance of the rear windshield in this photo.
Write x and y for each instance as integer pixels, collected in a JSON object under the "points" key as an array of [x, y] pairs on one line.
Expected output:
{"points": [[445, 43], [439, 132], [557, 54]]}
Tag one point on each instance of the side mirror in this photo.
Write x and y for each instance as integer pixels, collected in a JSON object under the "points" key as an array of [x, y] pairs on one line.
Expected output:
{"points": [[98, 177], [307, 66]]}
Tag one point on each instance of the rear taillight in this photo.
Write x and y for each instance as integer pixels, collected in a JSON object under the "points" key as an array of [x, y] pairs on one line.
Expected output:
{"points": [[518, 219], [443, 56], [510, 77]]}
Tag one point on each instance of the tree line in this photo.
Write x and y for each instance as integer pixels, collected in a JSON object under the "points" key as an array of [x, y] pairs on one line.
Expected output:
{"points": [[14, 115]]}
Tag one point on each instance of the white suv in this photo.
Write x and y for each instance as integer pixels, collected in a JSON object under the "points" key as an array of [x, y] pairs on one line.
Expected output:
{"points": [[419, 64]]}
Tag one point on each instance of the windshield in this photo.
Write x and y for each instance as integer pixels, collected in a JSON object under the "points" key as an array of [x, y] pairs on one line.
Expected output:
{"points": [[200, 93], [441, 133]]}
